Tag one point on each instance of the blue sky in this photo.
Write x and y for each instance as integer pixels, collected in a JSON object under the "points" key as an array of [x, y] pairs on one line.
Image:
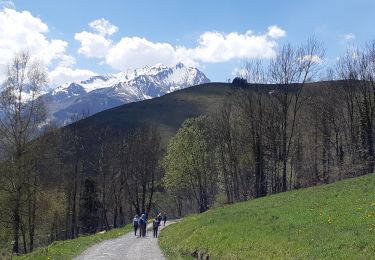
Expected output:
{"points": [[212, 35]]}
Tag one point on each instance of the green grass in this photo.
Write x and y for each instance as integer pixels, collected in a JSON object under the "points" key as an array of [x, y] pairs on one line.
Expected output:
{"points": [[335, 221], [68, 249]]}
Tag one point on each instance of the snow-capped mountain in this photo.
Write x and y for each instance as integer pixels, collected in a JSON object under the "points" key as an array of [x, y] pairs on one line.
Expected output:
{"points": [[103, 92]]}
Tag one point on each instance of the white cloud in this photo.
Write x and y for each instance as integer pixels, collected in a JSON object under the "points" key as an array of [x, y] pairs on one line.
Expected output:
{"points": [[135, 52], [61, 75], [186, 55], [275, 32], [21, 31], [312, 58], [216, 47], [67, 61], [92, 44], [212, 47], [103, 27], [349, 36]]}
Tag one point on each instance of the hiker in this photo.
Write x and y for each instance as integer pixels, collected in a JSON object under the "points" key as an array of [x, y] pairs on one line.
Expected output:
{"points": [[155, 226], [142, 225], [135, 224], [164, 219], [145, 224]]}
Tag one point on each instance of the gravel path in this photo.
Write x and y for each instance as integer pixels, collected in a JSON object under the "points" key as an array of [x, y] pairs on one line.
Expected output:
{"points": [[126, 247]]}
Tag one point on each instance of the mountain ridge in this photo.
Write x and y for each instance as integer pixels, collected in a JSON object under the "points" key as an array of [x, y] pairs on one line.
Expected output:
{"points": [[102, 92]]}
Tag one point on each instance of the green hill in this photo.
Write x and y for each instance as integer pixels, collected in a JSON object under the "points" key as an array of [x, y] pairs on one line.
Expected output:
{"points": [[169, 111], [166, 112], [335, 221]]}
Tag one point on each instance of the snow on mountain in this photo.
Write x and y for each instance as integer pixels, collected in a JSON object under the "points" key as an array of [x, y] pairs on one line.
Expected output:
{"points": [[103, 92]]}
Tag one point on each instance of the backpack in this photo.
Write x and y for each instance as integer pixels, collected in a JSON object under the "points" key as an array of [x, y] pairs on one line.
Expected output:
{"points": [[135, 222], [155, 223]]}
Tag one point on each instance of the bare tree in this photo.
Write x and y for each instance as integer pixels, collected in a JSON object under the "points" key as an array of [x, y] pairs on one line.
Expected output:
{"points": [[291, 69], [226, 143], [357, 70], [140, 154], [22, 113], [72, 150], [253, 107]]}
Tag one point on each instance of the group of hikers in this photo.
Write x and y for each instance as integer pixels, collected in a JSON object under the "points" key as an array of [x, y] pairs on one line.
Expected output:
{"points": [[140, 223]]}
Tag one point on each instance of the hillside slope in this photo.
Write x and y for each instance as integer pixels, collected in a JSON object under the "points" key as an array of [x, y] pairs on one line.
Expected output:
{"points": [[335, 221], [169, 111], [166, 112]]}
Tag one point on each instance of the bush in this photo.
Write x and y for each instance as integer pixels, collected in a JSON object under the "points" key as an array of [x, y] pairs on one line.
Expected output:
{"points": [[238, 81]]}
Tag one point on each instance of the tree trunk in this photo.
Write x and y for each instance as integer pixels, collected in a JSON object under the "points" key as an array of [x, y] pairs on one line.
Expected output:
{"points": [[23, 231], [16, 222], [73, 226], [32, 214]]}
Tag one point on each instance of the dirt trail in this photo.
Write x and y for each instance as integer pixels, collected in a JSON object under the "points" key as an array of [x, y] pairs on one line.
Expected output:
{"points": [[126, 247]]}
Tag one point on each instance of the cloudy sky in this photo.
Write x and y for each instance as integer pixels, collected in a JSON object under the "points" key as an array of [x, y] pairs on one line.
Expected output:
{"points": [[78, 39]]}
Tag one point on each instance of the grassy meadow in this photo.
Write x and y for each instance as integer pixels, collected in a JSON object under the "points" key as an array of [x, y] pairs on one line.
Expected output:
{"points": [[335, 221]]}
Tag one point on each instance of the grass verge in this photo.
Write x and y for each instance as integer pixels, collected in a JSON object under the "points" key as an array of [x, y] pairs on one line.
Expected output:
{"points": [[67, 249], [335, 221]]}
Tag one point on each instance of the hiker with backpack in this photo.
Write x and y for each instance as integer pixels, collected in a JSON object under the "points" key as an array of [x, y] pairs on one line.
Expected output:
{"points": [[155, 226], [135, 224], [142, 225]]}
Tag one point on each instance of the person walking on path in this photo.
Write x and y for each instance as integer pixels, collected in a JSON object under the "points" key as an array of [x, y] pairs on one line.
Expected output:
{"points": [[142, 225], [164, 219], [135, 224], [155, 226], [145, 220]]}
